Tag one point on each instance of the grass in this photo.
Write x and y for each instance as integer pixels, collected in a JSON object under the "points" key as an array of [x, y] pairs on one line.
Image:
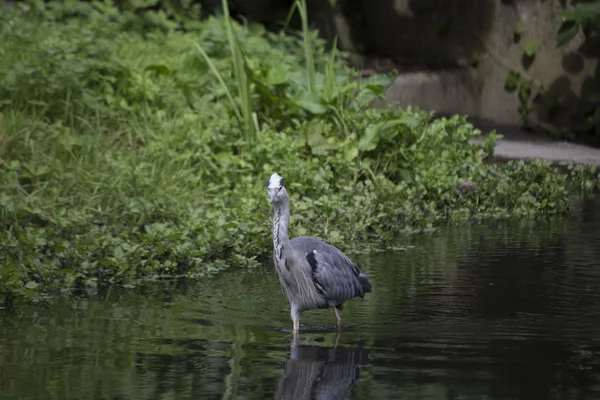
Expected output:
{"points": [[133, 149]]}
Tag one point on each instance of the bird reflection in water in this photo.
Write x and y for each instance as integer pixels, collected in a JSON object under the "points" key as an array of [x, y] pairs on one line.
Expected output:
{"points": [[316, 372]]}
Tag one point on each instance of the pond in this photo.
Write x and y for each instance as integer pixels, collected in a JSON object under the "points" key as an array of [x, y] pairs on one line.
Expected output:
{"points": [[508, 310]]}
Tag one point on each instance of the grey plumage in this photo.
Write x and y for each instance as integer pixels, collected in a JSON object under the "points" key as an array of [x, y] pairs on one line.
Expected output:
{"points": [[313, 274]]}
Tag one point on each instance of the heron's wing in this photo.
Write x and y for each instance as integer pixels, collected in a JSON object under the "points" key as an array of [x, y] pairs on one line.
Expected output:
{"points": [[334, 274]]}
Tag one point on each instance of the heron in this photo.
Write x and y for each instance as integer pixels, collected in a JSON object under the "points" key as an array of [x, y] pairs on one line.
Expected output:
{"points": [[313, 274]]}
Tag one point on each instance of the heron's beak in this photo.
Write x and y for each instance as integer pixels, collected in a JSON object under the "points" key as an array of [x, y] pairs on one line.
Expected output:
{"points": [[272, 193]]}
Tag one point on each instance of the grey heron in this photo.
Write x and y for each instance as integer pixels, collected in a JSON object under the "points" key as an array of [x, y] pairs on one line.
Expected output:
{"points": [[313, 274]]}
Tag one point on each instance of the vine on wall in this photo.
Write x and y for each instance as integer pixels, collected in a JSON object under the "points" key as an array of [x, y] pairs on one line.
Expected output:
{"points": [[584, 17]]}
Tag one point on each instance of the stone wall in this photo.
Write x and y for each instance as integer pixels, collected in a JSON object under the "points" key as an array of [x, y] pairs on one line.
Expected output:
{"points": [[454, 56]]}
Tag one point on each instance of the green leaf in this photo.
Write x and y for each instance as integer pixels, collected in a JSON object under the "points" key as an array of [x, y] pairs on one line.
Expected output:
{"points": [[518, 28], [159, 69], [351, 154], [410, 120], [512, 80], [370, 139], [374, 132], [319, 145], [31, 285], [277, 75], [530, 48], [566, 32], [525, 89], [256, 29], [377, 90], [8, 269], [119, 253], [311, 103], [406, 175]]}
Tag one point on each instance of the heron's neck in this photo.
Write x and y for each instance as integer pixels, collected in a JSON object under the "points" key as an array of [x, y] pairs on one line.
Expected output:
{"points": [[281, 220]]}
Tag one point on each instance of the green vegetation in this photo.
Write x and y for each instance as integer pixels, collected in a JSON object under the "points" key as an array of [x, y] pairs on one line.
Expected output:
{"points": [[136, 146]]}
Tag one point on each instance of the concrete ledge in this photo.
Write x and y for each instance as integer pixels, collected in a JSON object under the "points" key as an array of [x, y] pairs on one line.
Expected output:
{"points": [[456, 91], [555, 151]]}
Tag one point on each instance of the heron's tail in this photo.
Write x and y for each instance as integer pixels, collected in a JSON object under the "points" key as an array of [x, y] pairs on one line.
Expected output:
{"points": [[364, 282]]}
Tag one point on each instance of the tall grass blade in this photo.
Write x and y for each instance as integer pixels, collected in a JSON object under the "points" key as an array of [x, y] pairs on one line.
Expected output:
{"points": [[300, 6], [219, 77], [239, 63], [329, 91]]}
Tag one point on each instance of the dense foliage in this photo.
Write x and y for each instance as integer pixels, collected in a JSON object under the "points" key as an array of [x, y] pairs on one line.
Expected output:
{"points": [[131, 148]]}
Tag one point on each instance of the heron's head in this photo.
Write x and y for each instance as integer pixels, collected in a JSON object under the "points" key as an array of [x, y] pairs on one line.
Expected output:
{"points": [[275, 189]]}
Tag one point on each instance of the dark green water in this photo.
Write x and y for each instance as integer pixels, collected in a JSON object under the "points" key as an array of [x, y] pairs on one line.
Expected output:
{"points": [[510, 311]]}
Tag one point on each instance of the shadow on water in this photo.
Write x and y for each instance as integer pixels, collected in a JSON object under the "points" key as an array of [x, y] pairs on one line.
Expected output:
{"points": [[504, 311]]}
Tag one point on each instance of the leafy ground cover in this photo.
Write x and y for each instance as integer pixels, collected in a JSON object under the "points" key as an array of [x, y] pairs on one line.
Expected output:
{"points": [[136, 146]]}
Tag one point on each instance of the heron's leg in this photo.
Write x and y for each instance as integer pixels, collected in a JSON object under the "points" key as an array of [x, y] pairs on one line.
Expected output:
{"points": [[337, 339], [295, 318], [339, 319], [295, 339]]}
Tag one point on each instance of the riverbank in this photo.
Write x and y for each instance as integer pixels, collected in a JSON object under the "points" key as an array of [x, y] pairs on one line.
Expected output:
{"points": [[133, 149]]}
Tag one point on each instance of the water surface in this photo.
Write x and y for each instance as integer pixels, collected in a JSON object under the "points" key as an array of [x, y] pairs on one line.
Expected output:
{"points": [[502, 311]]}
